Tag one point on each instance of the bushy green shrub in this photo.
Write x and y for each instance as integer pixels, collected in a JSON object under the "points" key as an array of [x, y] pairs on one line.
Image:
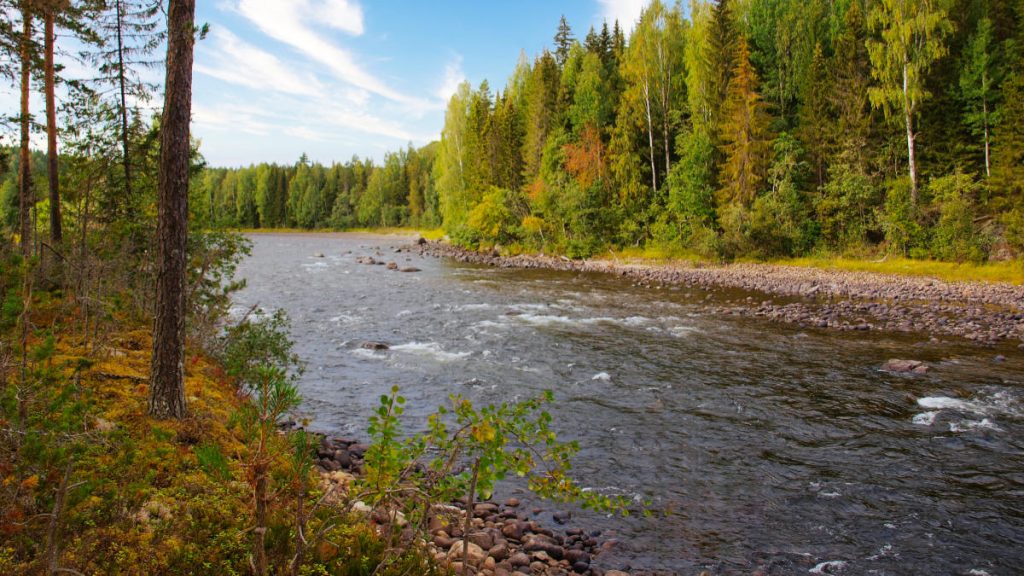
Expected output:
{"points": [[900, 220], [845, 208], [491, 221], [955, 236]]}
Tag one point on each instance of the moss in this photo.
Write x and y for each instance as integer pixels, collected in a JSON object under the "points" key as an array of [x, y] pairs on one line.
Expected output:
{"points": [[141, 501]]}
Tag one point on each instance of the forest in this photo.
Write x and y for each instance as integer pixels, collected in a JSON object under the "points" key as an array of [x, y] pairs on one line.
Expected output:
{"points": [[739, 128]]}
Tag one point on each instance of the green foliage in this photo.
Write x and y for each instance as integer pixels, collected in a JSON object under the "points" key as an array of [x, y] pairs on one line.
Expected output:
{"points": [[212, 461], [491, 221], [256, 343], [900, 219], [845, 208], [213, 257], [487, 444], [955, 236]]}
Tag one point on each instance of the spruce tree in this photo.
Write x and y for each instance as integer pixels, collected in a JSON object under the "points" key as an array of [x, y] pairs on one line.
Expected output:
{"points": [[744, 133], [563, 41]]}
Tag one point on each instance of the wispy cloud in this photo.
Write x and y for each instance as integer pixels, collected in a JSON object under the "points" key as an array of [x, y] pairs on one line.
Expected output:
{"points": [[453, 76], [294, 22], [241, 63], [627, 12]]}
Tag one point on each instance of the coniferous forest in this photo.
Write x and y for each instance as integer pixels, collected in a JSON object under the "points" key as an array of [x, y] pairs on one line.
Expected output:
{"points": [[739, 128], [151, 420]]}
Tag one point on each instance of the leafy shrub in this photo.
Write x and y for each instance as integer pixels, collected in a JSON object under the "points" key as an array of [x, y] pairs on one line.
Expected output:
{"points": [[845, 208], [491, 221], [900, 220], [955, 235]]}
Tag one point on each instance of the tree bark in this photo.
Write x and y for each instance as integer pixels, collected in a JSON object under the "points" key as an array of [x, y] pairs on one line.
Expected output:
{"points": [[56, 224], [25, 160], [167, 390]]}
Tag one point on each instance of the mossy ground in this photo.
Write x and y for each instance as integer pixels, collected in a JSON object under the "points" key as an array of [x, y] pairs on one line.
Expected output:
{"points": [[141, 498]]}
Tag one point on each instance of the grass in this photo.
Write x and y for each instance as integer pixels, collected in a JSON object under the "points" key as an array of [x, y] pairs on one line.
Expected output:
{"points": [[1012, 272], [428, 233]]}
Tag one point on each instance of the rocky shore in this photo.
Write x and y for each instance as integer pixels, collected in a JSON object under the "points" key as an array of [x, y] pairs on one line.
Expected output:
{"points": [[504, 541], [987, 313]]}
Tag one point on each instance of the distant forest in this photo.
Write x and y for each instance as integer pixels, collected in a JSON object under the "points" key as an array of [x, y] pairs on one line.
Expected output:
{"points": [[738, 128]]}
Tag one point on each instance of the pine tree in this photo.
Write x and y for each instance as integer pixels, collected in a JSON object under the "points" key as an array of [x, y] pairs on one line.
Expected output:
{"points": [[744, 133], [26, 199], [815, 115], [541, 112], [167, 385], [977, 81], [1008, 146], [563, 41], [849, 89], [132, 32]]}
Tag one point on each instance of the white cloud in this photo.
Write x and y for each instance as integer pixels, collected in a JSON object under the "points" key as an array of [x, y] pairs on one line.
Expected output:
{"points": [[288, 21], [231, 118], [627, 12], [453, 76], [238, 62], [344, 15]]}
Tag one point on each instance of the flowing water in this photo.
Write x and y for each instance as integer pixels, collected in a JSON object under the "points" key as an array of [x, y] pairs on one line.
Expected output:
{"points": [[761, 446]]}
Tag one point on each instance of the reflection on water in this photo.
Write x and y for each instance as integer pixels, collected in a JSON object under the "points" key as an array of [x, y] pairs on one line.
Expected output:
{"points": [[761, 445]]}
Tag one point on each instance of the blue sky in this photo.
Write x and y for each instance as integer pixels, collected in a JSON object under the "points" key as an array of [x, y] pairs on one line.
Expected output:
{"points": [[333, 78]]}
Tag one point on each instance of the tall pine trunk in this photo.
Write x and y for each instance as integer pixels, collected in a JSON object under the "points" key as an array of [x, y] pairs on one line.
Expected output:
{"points": [[56, 225], [25, 200], [126, 159], [167, 390]]}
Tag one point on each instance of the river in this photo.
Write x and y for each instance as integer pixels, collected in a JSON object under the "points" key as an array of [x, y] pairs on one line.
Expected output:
{"points": [[760, 445]]}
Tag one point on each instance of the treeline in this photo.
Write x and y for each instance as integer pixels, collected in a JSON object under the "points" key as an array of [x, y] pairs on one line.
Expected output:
{"points": [[758, 128], [357, 193]]}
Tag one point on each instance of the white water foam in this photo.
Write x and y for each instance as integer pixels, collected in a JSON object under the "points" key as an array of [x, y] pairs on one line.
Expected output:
{"points": [[682, 331], [469, 307], [925, 418], [1000, 403], [344, 319], [944, 403], [547, 320], [968, 425], [431, 350], [603, 376], [367, 353], [829, 567]]}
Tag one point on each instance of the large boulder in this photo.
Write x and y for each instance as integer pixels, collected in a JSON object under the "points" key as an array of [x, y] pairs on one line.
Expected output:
{"points": [[476, 553]]}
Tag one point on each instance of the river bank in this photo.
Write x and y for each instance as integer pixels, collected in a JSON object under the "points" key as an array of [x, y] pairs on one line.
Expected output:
{"points": [[986, 313]]}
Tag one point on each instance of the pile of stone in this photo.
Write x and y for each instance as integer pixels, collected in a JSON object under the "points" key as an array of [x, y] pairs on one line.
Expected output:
{"points": [[503, 540]]}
